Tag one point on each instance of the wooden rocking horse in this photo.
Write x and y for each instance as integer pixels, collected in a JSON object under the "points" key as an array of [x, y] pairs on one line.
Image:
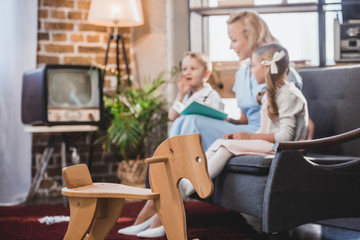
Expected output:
{"points": [[97, 206]]}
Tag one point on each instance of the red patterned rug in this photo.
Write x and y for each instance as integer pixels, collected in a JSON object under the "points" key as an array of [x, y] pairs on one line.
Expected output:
{"points": [[205, 221]]}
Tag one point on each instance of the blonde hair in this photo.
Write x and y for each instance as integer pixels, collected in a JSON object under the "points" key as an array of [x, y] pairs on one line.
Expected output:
{"points": [[202, 58], [273, 81], [254, 28]]}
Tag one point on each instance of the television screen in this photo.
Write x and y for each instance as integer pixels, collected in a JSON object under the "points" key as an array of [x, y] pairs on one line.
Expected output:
{"points": [[62, 94], [72, 88]]}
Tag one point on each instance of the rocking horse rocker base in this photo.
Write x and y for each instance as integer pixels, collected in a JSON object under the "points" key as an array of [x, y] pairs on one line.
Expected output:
{"points": [[95, 207]]}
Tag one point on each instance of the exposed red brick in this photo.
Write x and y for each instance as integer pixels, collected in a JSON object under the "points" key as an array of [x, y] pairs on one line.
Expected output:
{"points": [[59, 3], [46, 183], [105, 38], [99, 168], [57, 14], [93, 38], [97, 178], [58, 26], [83, 5], [76, 12], [59, 37], [43, 13], [100, 60], [47, 59], [43, 36], [124, 31], [53, 171], [41, 137], [77, 38], [77, 60], [74, 15], [111, 60], [59, 48], [107, 83], [111, 178], [125, 36], [85, 49], [91, 27]]}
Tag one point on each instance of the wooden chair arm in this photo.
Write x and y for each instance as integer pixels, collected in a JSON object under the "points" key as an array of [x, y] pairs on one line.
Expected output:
{"points": [[317, 143]]}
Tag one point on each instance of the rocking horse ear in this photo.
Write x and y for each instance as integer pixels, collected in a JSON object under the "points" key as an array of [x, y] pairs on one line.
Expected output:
{"points": [[77, 176]]}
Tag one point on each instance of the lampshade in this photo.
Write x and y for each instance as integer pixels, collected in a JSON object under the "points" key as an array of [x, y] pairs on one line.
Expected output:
{"points": [[119, 13]]}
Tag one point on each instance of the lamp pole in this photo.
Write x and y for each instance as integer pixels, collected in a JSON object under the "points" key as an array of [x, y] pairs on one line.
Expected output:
{"points": [[118, 37]]}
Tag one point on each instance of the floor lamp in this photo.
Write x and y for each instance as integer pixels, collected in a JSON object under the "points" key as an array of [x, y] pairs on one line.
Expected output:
{"points": [[116, 13]]}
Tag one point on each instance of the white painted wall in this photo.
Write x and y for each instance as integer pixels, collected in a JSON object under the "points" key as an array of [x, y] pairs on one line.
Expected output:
{"points": [[161, 42]]}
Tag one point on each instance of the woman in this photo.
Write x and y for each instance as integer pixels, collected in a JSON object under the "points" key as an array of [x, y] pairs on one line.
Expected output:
{"points": [[247, 32]]}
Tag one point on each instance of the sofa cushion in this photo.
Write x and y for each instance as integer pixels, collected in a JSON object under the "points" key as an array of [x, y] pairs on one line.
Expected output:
{"points": [[260, 164], [252, 164]]}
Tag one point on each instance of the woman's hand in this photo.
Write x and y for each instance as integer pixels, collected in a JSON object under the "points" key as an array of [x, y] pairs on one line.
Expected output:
{"points": [[243, 119], [238, 136]]}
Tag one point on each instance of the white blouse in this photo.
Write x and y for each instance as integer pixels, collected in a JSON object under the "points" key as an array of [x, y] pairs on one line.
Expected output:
{"points": [[205, 95], [291, 125]]}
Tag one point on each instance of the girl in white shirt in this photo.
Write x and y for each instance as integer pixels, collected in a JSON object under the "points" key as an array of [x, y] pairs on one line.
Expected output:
{"points": [[192, 84], [284, 114]]}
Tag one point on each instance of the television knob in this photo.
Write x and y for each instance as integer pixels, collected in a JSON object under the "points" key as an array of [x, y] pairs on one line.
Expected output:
{"points": [[57, 116], [91, 117]]}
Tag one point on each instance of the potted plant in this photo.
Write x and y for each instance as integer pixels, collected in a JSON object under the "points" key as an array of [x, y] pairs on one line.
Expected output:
{"points": [[133, 114]]}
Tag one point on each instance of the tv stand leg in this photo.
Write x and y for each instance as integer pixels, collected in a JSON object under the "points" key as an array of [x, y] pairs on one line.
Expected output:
{"points": [[91, 151], [63, 165], [40, 171]]}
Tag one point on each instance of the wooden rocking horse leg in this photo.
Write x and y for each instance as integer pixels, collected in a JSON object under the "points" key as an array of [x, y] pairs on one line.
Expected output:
{"points": [[173, 218], [82, 211], [107, 212]]}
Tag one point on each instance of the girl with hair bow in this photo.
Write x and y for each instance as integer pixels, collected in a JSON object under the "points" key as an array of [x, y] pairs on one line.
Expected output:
{"points": [[284, 114]]}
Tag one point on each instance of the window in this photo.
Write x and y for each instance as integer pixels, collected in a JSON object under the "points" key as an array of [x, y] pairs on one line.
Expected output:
{"points": [[305, 28]]}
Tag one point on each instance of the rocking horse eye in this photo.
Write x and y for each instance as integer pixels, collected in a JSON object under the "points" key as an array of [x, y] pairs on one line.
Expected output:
{"points": [[198, 159]]}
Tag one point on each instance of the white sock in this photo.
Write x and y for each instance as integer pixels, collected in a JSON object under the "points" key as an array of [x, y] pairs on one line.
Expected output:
{"points": [[209, 154], [216, 163]]}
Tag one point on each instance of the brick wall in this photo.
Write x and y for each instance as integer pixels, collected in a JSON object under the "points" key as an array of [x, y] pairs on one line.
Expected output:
{"points": [[66, 37]]}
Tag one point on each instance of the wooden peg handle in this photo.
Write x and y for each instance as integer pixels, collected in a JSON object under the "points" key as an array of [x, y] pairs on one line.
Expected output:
{"points": [[156, 160]]}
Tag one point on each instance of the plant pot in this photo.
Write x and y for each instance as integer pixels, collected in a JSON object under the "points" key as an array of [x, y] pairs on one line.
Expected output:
{"points": [[132, 172]]}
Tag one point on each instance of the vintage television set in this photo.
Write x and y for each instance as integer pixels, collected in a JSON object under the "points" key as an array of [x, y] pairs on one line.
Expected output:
{"points": [[62, 95]]}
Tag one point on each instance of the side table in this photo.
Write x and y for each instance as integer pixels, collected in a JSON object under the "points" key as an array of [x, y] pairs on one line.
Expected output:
{"points": [[53, 130]]}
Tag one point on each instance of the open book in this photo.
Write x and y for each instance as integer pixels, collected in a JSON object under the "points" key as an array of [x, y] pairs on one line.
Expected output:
{"points": [[196, 107]]}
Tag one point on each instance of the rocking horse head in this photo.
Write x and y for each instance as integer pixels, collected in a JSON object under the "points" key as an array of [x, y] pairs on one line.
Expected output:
{"points": [[183, 157]]}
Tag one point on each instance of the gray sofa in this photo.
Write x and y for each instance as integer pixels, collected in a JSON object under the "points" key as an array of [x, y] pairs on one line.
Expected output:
{"points": [[291, 189]]}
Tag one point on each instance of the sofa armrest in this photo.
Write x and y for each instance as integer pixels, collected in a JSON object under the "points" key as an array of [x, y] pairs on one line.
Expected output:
{"points": [[317, 143]]}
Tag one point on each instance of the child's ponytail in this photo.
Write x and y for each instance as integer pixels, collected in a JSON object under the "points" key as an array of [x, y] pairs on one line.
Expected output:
{"points": [[271, 90], [276, 57]]}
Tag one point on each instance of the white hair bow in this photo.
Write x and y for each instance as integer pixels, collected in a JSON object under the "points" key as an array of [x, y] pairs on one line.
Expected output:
{"points": [[276, 57]]}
